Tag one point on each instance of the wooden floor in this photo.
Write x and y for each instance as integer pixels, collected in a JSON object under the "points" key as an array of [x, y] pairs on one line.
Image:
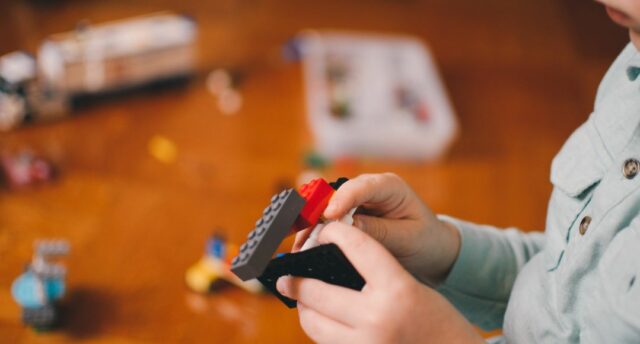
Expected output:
{"points": [[521, 75]]}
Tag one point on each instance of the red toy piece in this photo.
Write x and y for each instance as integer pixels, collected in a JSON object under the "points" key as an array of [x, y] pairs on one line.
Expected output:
{"points": [[24, 168], [316, 194]]}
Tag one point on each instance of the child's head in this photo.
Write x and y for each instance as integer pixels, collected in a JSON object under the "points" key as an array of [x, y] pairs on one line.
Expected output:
{"points": [[627, 14]]}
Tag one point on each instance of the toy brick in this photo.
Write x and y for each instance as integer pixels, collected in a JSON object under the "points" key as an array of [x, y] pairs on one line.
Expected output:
{"points": [[325, 262], [338, 183], [317, 194], [52, 247], [270, 230], [216, 246]]}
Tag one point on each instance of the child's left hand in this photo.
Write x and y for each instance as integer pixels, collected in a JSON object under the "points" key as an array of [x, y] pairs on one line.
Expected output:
{"points": [[392, 306]]}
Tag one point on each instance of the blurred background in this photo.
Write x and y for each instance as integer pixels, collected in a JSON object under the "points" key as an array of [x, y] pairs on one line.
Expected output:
{"points": [[136, 174]]}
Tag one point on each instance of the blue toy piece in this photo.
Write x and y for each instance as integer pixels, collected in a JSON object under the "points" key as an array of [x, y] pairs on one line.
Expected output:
{"points": [[42, 284], [292, 50], [216, 247], [29, 291]]}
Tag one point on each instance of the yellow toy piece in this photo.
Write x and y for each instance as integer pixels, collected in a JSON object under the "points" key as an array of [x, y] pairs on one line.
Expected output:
{"points": [[209, 269]]}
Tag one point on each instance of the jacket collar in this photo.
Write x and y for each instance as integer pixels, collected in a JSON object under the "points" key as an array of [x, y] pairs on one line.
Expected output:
{"points": [[633, 68]]}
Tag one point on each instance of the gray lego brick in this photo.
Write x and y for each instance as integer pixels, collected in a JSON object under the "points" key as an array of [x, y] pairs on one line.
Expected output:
{"points": [[52, 247], [263, 241]]}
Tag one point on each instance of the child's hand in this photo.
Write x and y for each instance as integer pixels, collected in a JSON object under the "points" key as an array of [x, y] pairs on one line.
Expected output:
{"points": [[394, 215], [391, 308]]}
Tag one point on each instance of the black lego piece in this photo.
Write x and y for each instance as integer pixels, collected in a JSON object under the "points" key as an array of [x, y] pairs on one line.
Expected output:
{"points": [[263, 241], [338, 183], [325, 262]]}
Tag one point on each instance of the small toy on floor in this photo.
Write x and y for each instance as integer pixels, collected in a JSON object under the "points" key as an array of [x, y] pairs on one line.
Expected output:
{"points": [[25, 168], [163, 149], [373, 95], [223, 84], [292, 211], [215, 265], [42, 285], [95, 63]]}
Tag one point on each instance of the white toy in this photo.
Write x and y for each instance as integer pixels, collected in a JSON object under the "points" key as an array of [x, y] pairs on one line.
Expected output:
{"points": [[374, 96]]}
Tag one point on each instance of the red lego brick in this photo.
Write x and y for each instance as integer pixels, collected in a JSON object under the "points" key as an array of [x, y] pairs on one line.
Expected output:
{"points": [[317, 194]]}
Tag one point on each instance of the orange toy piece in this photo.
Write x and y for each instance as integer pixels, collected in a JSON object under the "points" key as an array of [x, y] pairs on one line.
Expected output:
{"points": [[317, 194]]}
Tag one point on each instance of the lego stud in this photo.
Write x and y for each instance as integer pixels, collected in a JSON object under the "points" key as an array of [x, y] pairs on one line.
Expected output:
{"points": [[276, 222]]}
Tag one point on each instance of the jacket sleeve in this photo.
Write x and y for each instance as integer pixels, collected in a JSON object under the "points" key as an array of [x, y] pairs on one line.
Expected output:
{"points": [[481, 279], [612, 313]]}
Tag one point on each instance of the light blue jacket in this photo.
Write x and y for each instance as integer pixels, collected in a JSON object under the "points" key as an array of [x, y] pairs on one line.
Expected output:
{"points": [[580, 280]]}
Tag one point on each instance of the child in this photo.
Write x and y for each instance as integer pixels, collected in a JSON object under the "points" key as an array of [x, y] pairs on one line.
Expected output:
{"points": [[579, 282]]}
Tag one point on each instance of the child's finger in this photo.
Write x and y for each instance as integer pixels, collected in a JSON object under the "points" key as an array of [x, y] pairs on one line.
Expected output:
{"points": [[366, 188], [300, 238], [368, 256], [337, 303], [378, 228], [322, 329]]}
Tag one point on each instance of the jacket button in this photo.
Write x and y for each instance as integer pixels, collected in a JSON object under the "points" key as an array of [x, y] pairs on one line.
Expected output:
{"points": [[631, 168], [584, 224]]}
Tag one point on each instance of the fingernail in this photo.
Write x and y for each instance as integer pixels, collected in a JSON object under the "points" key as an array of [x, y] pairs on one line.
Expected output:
{"points": [[282, 283]]}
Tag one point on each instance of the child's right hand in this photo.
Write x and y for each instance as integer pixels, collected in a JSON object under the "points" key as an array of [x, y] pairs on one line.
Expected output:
{"points": [[392, 213]]}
